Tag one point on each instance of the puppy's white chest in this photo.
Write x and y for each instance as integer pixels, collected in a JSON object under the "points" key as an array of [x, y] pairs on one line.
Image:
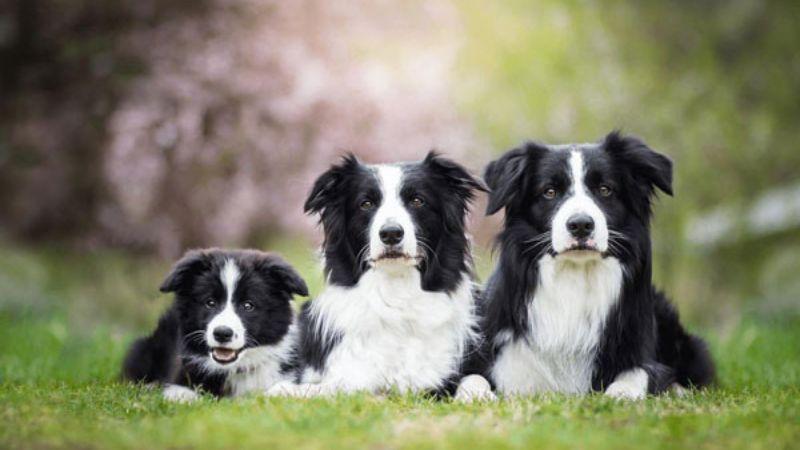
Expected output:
{"points": [[566, 318], [256, 379], [394, 335], [260, 367]]}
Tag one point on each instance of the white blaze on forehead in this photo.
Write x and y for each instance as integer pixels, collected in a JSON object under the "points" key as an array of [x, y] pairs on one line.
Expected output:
{"points": [[579, 201], [391, 210], [577, 172], [229, 276]]}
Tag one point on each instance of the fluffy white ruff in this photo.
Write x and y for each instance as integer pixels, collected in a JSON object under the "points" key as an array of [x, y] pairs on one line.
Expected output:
{"points": [[474, 388], [393, 335], [629, 385], [566, 318]]}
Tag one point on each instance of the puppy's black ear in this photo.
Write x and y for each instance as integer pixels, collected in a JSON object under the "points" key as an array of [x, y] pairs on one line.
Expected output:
{"points": [[280, 272], [191, 264], [327, 186], [505, 176], [455, 174], [645, 164]]}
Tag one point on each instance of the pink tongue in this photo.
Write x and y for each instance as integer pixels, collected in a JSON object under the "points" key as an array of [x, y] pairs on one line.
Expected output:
{"points": [[224, 354]]}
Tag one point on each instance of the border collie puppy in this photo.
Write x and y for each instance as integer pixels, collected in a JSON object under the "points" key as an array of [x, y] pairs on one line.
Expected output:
{"points": [[229, 331], [398, 312], [571, 307]]}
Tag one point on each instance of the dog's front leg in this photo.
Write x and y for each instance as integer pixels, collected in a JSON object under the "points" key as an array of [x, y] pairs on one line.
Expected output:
{"points": [[630, 385]]}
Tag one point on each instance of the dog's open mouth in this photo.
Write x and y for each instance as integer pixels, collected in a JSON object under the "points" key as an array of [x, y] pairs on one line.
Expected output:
{"points": [[224, 355]]}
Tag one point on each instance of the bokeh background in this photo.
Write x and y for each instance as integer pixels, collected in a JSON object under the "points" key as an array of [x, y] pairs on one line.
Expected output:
{"points": [[132, 130]]}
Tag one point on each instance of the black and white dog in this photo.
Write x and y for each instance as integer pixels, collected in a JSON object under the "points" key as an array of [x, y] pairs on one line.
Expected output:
{"points": [[398, 312], [231, 329], [571, 306]]}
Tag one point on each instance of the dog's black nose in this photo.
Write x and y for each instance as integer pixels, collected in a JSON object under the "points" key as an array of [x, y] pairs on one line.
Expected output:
{"points": [[580, 226], [223, 334], [391, 234]]}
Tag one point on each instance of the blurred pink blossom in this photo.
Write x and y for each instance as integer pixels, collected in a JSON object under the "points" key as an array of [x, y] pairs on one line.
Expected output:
{"points": [[242, 107]]}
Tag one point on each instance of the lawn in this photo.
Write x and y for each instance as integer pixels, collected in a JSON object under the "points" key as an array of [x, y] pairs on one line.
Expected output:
{"points": [[65, 321]]}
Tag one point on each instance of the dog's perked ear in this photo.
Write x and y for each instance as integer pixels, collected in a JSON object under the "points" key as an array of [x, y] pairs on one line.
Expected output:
{"points": [[327, 186], [505, 176], [456, 175], [645, 164], [280, 272], [191, 264]]}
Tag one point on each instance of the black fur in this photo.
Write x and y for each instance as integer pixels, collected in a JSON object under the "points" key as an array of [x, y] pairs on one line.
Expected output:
{"points": [[642, 329], [314, 348], [177, 352]]}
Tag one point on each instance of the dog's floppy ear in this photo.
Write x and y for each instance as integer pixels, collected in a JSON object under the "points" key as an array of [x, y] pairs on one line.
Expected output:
{"points": [[283, 274], [456, 175], [505, 177], [327, 185], [192, 263], [645, 164]]}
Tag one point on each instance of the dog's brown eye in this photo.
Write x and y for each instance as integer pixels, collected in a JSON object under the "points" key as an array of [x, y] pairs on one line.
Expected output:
{"points": [[248, 306], [366, 205], [211, 304], [605, 191], [417, 202], [550, 193]]}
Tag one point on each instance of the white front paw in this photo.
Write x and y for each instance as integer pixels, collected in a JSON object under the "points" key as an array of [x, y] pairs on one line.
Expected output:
{"points": [[629, 385], [679, 391], [624, 391], [290, 389], [180, 394], [474, 388], [284, 388]]}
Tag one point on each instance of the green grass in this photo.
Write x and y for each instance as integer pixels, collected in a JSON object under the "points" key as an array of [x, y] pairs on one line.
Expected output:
{"points": [[63, 333]]}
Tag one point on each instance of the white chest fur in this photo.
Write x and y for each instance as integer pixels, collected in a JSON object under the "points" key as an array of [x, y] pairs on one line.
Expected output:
{"points": [[260, 367], [566, 317], [393, 334]]}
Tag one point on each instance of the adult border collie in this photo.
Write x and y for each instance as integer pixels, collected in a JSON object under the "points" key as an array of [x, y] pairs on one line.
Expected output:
{"points": [[571, 307], [229, 331], [398, 312]]}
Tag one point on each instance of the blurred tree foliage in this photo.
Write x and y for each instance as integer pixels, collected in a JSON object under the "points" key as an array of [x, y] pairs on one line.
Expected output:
{"points": [[64, 66], [163, 125], [158, 125], [714, 84]]}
